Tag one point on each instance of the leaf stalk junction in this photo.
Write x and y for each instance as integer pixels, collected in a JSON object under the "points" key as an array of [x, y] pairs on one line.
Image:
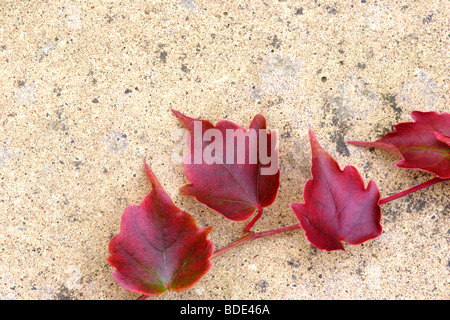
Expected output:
{"points": [[250, 235]]}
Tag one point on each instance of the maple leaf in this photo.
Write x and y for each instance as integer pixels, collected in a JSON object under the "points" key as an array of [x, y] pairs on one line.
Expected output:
{"points": [[422, 145], [233, 188], [337, 206], [159, 246]]}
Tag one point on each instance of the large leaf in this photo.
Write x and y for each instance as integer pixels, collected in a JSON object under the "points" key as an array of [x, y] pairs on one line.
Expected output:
{"points": [[234, 188], [159, 247], [423, 144], [337, 206]]}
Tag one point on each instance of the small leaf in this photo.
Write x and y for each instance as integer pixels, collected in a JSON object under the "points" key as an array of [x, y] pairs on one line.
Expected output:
{"points": [[422, 145], [159, 247], [235, 189], [337, 206]]}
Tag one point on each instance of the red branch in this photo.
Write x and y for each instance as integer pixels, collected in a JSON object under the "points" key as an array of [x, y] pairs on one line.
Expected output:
{"points": [[411, 190]]}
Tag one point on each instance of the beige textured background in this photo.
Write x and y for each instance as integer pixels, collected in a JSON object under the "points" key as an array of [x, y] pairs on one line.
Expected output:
{"points": [[85, 92]]}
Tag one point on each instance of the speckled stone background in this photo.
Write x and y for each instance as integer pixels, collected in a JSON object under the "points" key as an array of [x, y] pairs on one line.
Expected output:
{"points": [[85, 93]]}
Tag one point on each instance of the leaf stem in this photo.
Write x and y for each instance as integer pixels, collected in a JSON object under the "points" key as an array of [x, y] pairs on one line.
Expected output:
{"points": [[256, 218], [246, 237], [249, 235], [275, 231], [411, 190]]}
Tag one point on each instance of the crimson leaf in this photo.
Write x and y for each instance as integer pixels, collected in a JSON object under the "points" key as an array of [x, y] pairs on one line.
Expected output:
{"points": [[337, 206], [423, 144], [159, 247], [232, 188]]}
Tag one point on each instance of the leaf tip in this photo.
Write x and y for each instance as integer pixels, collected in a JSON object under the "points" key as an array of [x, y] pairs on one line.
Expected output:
{"points": [[178, 114], [151, 175], [207, 230], [312, 138], [186, 190], [315, 145], [258, 122]]}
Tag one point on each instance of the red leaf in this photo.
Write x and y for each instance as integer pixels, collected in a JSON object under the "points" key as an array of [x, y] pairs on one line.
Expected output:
{"points": [[423, 144], [337, 206], [232, 189], [159, 247]]}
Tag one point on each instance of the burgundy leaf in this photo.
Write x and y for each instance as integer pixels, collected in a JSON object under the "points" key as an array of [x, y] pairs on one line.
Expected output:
{"points": [[234, 189], [337, 206], [423, 144], [159, 247]]}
